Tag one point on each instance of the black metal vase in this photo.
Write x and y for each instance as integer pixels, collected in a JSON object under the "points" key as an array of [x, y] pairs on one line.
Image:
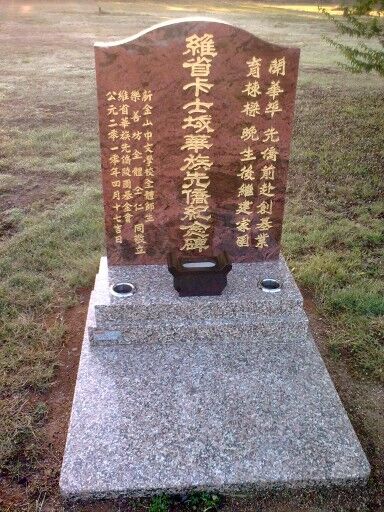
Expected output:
{"points": [[199, 277]]}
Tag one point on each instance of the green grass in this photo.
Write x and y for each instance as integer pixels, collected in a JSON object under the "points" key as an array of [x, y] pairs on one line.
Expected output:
{"points": [[160, 504], [41, 267], [61, 150], [334, 234]]}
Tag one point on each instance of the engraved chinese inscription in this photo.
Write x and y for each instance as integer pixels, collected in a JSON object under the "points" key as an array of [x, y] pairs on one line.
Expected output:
{"points": [[195, 126]]}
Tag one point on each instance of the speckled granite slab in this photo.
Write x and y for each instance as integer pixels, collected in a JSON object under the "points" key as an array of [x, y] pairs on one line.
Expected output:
{"points": [[156, 312], [214, 413]]}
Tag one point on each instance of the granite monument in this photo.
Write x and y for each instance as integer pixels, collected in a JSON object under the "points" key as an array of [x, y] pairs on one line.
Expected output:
{"points": [[226, 390]]}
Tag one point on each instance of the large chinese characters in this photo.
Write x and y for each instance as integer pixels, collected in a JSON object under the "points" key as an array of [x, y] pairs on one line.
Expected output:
{"points": [[197, 142], [195, 127]]}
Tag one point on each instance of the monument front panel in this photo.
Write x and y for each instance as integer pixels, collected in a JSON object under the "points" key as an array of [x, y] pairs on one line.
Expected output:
{"points": [[195, 129]]}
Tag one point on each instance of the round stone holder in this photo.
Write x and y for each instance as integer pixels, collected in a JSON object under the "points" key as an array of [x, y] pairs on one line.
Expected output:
{"points": [[199, 277]]}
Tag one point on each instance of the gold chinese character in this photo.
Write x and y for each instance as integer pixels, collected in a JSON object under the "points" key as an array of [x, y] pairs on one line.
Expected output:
{"points": [[112, 110], [200, 85], [243, 225], [136, 116], [196, 162], [137, 171], [127, 195], [113, 134], [114, 171], [271, 135], [125, 135], [274, 89], [148, 216], [147, 122], [136, 135], [195, 229], [148, 147], [251, 108], [195, 179], [140, 249], [139, 228], [124, 123], [149, 195], [261, 240], [277, 67], [198, 123], [265, 224], [114, 159], [242, 241], [196, 142], [249, 133], [147, 110], [246, 173], [266, 189], [268, 172], [247, 155], [123, 95], [146, 96], [137, 155], [265, 208], [195, 244], [203, 46], [135, 96], [273, 107], [111, 96], [196, 196], [195, 212], [254, 67], [270, 153], [138, 191], [124, 109], [148, 183], [252, 89], [200, 107], [245, 190], [199, 67], [244, 207]]}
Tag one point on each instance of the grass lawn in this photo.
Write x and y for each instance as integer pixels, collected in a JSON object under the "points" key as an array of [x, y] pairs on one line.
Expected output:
{"points": [[51, 228]]}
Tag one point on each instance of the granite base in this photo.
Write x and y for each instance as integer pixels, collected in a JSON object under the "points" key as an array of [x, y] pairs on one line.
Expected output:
{"points": [[221, 413]]}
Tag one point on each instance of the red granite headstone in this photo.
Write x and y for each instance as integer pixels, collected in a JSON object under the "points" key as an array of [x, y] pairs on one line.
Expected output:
{"points": [[195, 130]]}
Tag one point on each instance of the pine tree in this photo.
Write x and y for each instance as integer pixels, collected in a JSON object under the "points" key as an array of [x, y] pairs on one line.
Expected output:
{"points": [[363, 20]]}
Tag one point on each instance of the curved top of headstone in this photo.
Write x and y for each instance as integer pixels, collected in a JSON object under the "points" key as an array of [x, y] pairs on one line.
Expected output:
{"points": [[195, 125], [170, 23]]}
